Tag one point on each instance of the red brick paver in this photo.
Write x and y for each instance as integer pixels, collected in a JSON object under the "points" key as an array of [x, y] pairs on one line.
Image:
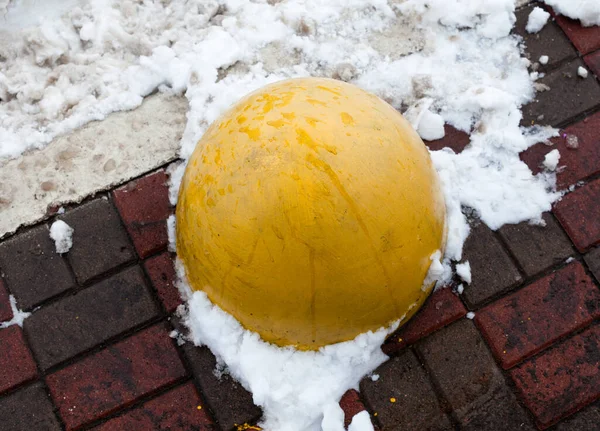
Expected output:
{"points": [[578, 213], [161, 271], [575, 163], [351, 404], [115, 377], [178, 410], [144, 206], [585, 39], [16, 363], [522, 324], [453, 138], [593, 61], [441, 309], [563, 379]]}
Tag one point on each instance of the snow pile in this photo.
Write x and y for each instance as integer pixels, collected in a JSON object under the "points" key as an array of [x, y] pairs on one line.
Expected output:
{"points": [[62, 234], [588, 11], [18, 315], [537, 20]]}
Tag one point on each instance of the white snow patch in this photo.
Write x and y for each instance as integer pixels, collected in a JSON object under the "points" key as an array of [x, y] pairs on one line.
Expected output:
{"points": [[460, 289], [544, 59], [587, 11], [431, 126], [537, 20], [374, 377], [62, 234], [551, 160], [361, 422], [569, 259], [463, 270], [470, 315], [171, 220], [582, 72], [18, 315]]}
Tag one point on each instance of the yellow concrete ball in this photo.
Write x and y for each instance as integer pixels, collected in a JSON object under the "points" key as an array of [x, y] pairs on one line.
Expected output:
{"points": [[309, 211]]}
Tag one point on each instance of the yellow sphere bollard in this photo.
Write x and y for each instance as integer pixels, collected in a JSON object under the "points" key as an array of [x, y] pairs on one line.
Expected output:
{"points": [[309, 211]]}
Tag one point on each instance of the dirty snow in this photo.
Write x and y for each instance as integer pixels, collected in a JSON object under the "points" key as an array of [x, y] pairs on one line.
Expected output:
{"points": [[18, 315], [440, 61], [587, 11], [537, 20], [551, 160], [62, 234]]}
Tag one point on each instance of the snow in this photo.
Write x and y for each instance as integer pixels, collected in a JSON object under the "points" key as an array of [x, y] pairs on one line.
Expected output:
{"points": [[463, 270], [544, 59], [582, 72], [551, 160], [440, 61], [374, 377], [62, 234], [588, 11], [361, 422], [470, 315], [460, 289], [18, 315], [537, 20]]}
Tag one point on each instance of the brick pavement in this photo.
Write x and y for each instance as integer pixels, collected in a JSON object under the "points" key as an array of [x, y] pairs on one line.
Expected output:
{"points": [[96, 352]]}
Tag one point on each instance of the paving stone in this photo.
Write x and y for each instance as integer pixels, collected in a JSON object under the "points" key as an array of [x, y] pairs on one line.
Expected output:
{"points": [[550, 40], [32, 269], [573, 94], [454, 139], [74, 324], [16, 363], [526, 322], [115, 377], [593, 62], [179, 409], [403, 397], [493, 272], [585, 420], [28, 409], [578, 214], [500, 412], [161, 271], [441, 308], [228, 401], [465, 371], [563, 379], [100, 242], [144, 206], [593, 261], [575, 163], [5, 308], [351, 404], [585, 39], [537, 247]]}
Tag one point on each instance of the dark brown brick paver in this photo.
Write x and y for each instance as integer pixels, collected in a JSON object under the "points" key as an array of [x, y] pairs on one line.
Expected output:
{"points": [[403, 397], [228, 401], [467, 375], [492, 270], [453, 138], [100, 242], [5, 308], [562, 380], [76, 323], [573, 94], [586, 420], [593, 261], [144, 206], [351, 404], [115, 377], [550, 40], [16, 363], [441, 308], [522, 324], [585, 39], [32, 269], [161, 271], [575, 163], [535, 247], [28, 409], [578, 214], [177, 410]]}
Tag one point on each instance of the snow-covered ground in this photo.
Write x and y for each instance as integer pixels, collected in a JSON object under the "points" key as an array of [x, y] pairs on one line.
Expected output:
{"points": [[64, 63]]}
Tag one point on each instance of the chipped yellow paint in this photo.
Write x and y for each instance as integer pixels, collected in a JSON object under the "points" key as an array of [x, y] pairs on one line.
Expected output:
{"points": [[315, 222]]}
